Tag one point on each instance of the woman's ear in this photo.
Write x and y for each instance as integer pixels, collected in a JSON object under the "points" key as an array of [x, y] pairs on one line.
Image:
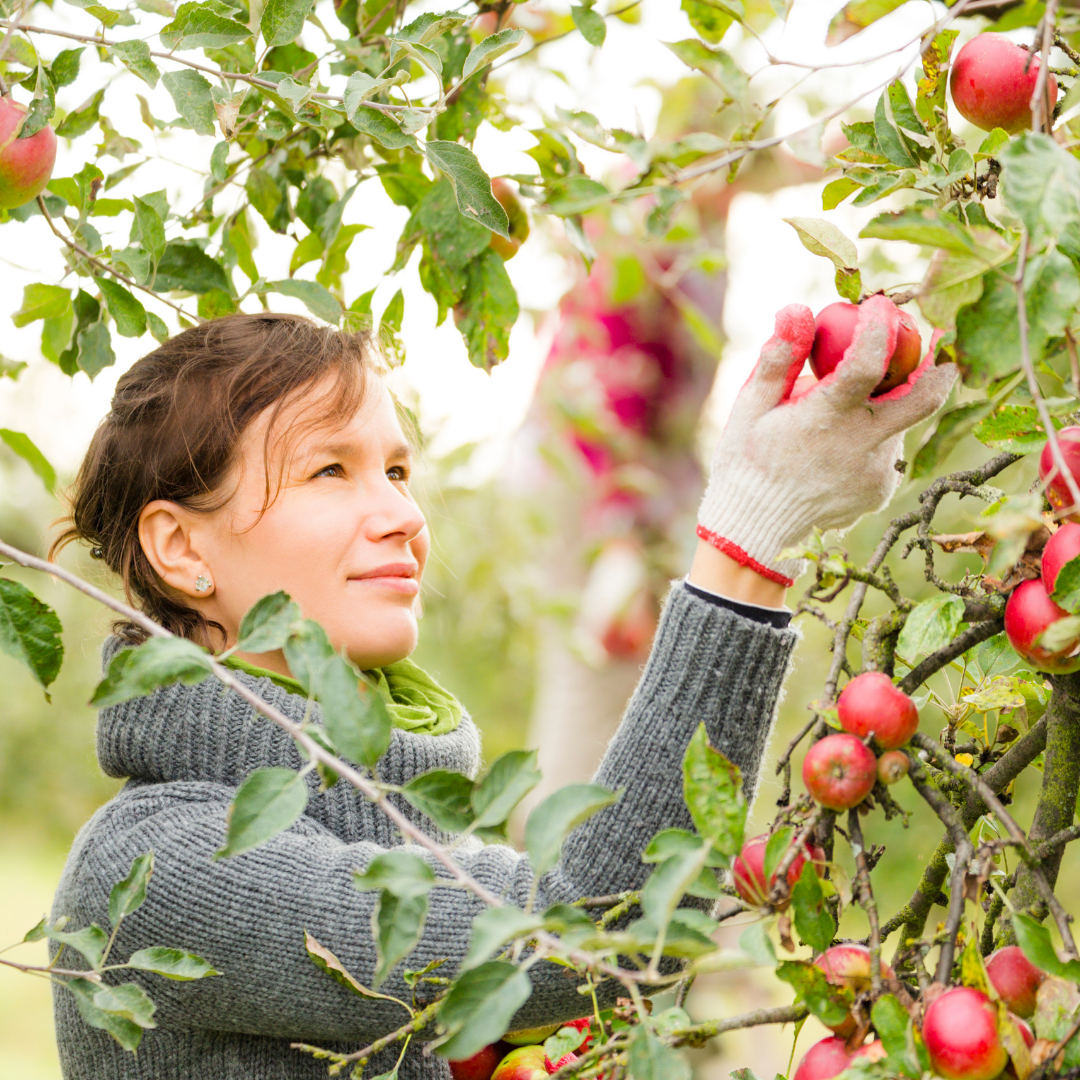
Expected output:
{"points": [[165, 533]]}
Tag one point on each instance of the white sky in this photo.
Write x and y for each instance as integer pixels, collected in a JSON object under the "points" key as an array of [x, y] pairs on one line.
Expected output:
{"points": [[768, 266]]}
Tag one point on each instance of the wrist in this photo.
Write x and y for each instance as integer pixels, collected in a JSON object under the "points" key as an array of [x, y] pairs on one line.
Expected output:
{"points": [[722, 573]]}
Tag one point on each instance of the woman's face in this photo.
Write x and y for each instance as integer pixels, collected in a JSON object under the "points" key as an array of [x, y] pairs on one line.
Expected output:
{"points": [[344, 537]]}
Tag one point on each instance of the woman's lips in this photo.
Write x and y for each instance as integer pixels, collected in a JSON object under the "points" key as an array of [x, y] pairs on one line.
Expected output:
{"points": [[408, 586]]}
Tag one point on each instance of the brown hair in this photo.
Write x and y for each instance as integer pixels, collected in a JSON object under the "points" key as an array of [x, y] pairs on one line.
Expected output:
{"points": [[173, 431]]}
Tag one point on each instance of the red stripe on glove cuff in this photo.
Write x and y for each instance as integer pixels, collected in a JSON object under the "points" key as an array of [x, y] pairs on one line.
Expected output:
{"points": [[733, 551]]}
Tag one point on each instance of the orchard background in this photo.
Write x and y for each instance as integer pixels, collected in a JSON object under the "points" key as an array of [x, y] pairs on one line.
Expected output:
{"points": [[486, 535]]}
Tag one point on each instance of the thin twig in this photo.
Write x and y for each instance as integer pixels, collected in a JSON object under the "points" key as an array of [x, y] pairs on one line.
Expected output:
{"points": [[866, 898]]}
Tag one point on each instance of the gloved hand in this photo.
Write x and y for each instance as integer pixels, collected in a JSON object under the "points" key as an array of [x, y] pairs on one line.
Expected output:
{"points": [[788, 462]]}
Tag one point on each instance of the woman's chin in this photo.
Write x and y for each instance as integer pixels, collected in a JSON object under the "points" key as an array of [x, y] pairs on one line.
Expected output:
{"points": [[376, 651]]}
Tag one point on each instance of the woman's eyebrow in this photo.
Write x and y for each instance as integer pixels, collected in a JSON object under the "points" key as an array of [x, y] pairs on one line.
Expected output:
{"points": [[348, 449]]}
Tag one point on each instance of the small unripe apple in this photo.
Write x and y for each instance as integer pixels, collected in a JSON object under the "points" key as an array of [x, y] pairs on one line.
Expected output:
{"points": [[530, 1036], [839, 771], [892, 766], [992, 82], [480, 1066], [1061, 548], [748, 870], [1015, 978], [870, 702], [524, 1063], [26, 165], [1028, 612], [1057, 490], [960, 1032], [511, 202], [835, 329], [849, 965]]}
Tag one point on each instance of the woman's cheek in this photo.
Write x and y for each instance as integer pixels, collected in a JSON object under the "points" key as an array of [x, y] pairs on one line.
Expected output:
{"points": [[420, 546]]}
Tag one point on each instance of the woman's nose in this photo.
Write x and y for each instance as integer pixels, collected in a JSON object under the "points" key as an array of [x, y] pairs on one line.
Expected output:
{"points": [[394, 512]]}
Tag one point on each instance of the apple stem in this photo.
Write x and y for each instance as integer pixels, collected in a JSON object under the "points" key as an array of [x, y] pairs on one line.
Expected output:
{"points": [[5, 90]]}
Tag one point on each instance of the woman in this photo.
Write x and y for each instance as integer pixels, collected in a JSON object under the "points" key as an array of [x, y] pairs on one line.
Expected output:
{"points": [[258, 453]]}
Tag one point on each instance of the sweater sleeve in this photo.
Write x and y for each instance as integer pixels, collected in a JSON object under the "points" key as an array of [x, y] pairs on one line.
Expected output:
{"points": [[246, 915]]}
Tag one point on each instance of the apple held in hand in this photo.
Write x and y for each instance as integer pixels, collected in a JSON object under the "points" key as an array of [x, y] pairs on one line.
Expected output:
{"points": [[1057, 488], [480, 1066], [25, 164], [1015, 978], [961, 1036], [992, 82], [870, 702], [1028, 613], [524, 1063], [849, 965], [1061, 548], [511, 202], [748, 870], [835, 329], [839, 772]]}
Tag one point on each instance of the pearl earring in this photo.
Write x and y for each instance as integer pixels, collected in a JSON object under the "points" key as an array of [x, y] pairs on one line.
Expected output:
{"points": [[202, 583]]}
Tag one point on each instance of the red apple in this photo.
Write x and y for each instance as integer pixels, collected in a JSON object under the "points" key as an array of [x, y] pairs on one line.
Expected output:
{"points": [[960, 1032], [479, 1066], [554, 1066], [748, 870], [25, 164], [870, 702], [1015, 978], [524, 1063], [839, 771], [849, 965], [892, 766], [1063, 546], [1025, 1030], [511, 202], [875, 1051], [835, 329], [992, 82], [1028, 612], [1057, 489]]}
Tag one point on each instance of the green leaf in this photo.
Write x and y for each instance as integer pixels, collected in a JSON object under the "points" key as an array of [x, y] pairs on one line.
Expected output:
{"points": [[355, 716], [776, 847], [318, 299], [267, 802], [282, 20], [42, 106], [712, 787], [670, 882], [825, 239], [148, 229], [267, 624], [397, 924], [128, 895], [756, 943], [30, 631], [161, 661], [710, 19], [931, 625], [200, 26], [126, 1032], [716, 64], [891, 1024], [592, 26], [1035, 941], [830, 1004], [82, 119], [171, 963], [1041, 182], [472, 186], [562, 811], [921, 226], [479, 1007], [565, 1041], [399, 872], [1016, 428], [837, 191], [444, 797], [127, 312], [954, 280], [135, 56], [857, 15], [930, 89], [495, 926], [191, 96], [949, 429], [95, 349], [23, 445], [487, 310], [42, 302], [64, 70], [90, 942], [892, 143], [384, 130], [1066, 592], [508, 781], [328, 963], [429, 25], [651, 1059], [813, 920], [361, 86], [490, 49], [129, 1002], [1055, 1016], [184, 265]]}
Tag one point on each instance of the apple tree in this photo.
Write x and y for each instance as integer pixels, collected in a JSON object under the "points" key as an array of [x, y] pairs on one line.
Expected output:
{"points": [[990, 660]]}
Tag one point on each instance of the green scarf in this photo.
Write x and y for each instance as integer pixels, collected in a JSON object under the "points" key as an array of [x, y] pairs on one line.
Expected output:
{"points": [[415, 701]]}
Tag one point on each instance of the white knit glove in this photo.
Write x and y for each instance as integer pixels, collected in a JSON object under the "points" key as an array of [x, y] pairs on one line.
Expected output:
{"points": [[789, 462]]}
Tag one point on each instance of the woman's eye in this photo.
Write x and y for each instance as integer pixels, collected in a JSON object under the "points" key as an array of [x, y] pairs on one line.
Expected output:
{"points": [[330, 470], [398, 472]]}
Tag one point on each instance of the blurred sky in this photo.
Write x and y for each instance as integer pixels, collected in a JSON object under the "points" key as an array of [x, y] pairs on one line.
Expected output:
{"points": [[768, 265]]}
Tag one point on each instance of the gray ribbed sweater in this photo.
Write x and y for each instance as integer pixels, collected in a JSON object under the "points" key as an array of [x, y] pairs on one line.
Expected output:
{"points": [[186, 749]]}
